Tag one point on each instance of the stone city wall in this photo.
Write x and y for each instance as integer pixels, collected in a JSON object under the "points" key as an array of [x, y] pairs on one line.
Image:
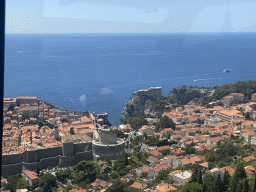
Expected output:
{"points": [[49, 152], [81, 147], [14, 158], [12, 163], [13, 169]]}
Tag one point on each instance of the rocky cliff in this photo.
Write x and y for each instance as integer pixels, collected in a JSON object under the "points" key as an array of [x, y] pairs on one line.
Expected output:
{"points": [[139, 103]]}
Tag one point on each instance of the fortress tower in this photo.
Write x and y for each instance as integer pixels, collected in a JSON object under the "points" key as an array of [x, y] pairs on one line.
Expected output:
{"points": [[105, 144]]}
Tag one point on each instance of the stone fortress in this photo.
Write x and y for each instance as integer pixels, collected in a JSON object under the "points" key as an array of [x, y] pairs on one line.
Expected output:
{"points": [[151, 92], [105, 145], [74, 148]]}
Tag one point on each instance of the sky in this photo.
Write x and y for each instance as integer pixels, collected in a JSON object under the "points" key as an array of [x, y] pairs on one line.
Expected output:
{"points": [[133, 16]]}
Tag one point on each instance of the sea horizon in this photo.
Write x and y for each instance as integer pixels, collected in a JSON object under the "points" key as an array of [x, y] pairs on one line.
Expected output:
{"points": [[99, 72]]}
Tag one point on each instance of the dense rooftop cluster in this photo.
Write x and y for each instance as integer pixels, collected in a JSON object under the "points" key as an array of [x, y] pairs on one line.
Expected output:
{"points": [[30, 124], [212, 142]]}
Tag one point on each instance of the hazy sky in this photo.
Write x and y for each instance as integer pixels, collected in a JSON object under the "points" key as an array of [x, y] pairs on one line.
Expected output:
{"points": [[133, 16]]}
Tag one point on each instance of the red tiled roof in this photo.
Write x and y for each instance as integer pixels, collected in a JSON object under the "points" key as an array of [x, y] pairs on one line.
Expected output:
{"points": [[228, 168], [205, 164], [249, 158], [155, 153], [166, 147], [31, 174], [78, 190], [166, 188], [139, 186], [177, 151]]}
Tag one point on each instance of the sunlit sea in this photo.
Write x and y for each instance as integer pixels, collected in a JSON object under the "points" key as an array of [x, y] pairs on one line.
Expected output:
{"points": [[99, 72]]}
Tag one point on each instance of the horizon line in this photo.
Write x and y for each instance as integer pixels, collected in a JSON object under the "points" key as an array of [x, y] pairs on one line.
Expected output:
{"points": [[139, 32]]}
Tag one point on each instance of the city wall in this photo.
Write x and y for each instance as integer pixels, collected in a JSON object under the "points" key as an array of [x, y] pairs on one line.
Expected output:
{"points": [[80, 147], [14, 163]]}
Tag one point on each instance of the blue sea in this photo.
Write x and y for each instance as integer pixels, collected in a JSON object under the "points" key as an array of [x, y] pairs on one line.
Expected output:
{"points": [[99, 72]]}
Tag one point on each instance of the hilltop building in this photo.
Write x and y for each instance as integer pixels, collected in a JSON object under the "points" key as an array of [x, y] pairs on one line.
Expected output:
{"points": [[105, 144], [26, 100], [233, 97], [151, 92]]}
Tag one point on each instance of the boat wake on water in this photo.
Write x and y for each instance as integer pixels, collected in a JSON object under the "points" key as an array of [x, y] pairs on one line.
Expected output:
{"points": [[207, 79]]}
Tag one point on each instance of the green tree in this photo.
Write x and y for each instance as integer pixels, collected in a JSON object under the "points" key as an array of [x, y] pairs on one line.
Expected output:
{"points": [[254, 188], [109, 163], [239, 175], [189, 150], [62, 175], [85, 172], [226, 180], [22, 184], [194, 177], [118, 186], [137, 119], [239, 187], [209, 182], [204, 188], [115, 175], [144, 174], [218, 184], [71, 131], [247, 116], [12, 182], [164, 122], [200, 179], [192, 187], [120, 134], [69, 187], [47, 182], [246, 187], [240, 172]]}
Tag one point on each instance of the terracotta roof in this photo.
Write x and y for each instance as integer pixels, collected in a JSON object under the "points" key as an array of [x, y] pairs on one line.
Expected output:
{"points": [[166, 188], [229, 169], [31, 174], [145, 127], [170, 157], [177, 151], [155, 153], [250, 170], [249, 158], [3, 180], [248, 131], [185, 161], [96, 183], [144, 168], [205, 164], [78, 190], [139, 186], [166, 147], [231, 112]]}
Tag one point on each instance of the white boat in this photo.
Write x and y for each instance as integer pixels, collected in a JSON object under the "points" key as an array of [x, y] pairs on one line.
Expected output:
{"points": [[227, 70]]}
